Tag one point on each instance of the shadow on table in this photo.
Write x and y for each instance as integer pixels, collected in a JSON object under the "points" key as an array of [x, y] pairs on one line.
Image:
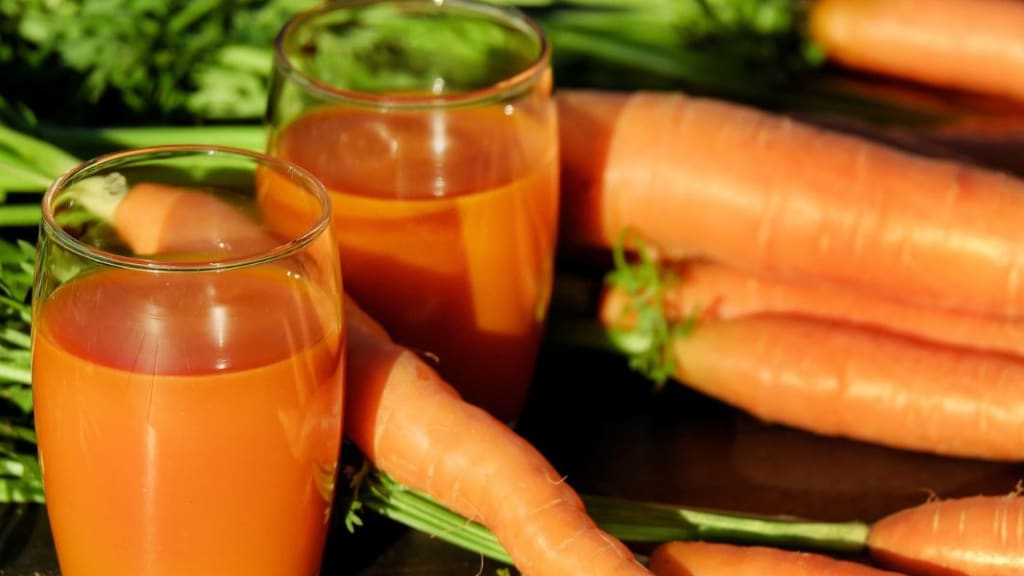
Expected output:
{"points": [[26, 546]]}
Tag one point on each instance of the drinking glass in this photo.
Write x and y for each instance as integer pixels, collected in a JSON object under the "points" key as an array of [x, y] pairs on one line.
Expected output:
{"points": [[187, 356], [433, 128]]}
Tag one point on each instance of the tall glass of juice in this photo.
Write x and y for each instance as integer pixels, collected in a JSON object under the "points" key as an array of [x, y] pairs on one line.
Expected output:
{"points": [[432, 126], [187, 361]]}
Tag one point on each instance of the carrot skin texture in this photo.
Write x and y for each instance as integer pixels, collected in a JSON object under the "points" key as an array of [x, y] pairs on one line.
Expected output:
{"points": [[840, 380], [719, 292], [970, 45], [713, 559], [697, 177], [415, 427], [978, 536]]}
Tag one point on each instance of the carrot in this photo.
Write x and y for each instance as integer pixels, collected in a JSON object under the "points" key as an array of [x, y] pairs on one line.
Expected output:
{"points": [[710, 559], [976, 536], [841, 380], [966, 536], [970, 45], [718, 292], [415, 427], [153, 218], [703, 178]]}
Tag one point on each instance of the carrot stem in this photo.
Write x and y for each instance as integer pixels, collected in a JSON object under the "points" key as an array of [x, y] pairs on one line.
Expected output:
{"points": [[15, 176], [44, 156], [420, 512], [19, 215], [627, 520], [16, 337], [11, 373], [632, 521], [92, 141], [646, 342]]}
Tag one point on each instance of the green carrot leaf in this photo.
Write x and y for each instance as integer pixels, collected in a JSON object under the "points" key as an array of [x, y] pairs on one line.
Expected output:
{"points": [[354, 506], [648, 338]]}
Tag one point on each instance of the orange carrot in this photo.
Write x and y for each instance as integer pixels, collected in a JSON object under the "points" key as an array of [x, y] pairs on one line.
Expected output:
{"points": [[224, 226], [976, 536], [702, 178], [415, 427], [971, 45], [965, 536], [718, 292], [709, 559], [152, 218], [834, 379]]}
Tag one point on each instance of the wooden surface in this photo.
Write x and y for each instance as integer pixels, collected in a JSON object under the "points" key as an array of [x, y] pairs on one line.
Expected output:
{"points": [[604, 428]]}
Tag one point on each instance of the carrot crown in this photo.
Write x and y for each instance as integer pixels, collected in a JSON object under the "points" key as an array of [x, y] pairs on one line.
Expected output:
{"points": [[647, 339]]}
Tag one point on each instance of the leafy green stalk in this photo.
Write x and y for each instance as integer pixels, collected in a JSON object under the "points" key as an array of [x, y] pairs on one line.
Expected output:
{"points": [[181, 62], [637, 522], [124, 61], [89, 142], [19, 215], [28, 163], [630, 521], [20, 478], [421, 512], [37, 156]]}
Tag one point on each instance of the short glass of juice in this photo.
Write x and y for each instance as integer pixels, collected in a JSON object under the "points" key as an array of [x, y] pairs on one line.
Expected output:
{"points": [[187, 364], [433, 128]]}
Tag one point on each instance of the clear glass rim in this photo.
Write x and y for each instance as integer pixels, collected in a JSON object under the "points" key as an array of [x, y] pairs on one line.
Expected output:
{"points": [[294, 173], [527, 77]]}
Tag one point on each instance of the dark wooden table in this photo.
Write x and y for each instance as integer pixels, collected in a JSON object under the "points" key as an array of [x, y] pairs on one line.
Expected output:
{"points": [[603, 427]]}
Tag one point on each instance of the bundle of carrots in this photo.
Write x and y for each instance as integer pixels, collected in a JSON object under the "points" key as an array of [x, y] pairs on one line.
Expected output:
{"points": [[827, 282]]}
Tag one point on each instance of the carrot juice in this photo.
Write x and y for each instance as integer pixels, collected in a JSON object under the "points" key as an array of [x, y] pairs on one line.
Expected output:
{"points": [[188, 423], [446, 224]]}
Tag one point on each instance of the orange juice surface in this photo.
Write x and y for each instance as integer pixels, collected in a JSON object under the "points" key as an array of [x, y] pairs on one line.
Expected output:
{"points": [[446, 224], [188, 424]]}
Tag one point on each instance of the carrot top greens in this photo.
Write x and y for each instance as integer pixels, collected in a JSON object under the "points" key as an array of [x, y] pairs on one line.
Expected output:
{"points": [[649, 335], [630, 521], [20, 479], [195, 61]]}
